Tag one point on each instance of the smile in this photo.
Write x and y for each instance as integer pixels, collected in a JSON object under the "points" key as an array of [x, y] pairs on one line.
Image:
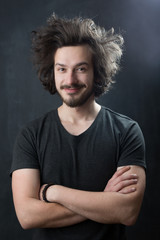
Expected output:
{"points": [[71, 90], [75, 88]]}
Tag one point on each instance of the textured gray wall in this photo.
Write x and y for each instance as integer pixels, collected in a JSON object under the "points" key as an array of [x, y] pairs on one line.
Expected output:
{"points": [[135, 94]]}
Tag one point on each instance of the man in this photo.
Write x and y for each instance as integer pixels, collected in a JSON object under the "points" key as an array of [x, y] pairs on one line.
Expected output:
{"points": [[78, 172]]}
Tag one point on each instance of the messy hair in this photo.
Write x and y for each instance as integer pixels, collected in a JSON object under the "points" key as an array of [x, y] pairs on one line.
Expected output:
{"points": [[106, 48]]}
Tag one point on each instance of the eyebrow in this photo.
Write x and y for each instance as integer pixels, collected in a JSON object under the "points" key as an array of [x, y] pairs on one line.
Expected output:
{"points": [[77, 65]]}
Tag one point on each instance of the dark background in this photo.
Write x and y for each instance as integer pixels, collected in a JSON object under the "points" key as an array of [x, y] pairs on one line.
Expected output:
{"points": [[135, 94]]}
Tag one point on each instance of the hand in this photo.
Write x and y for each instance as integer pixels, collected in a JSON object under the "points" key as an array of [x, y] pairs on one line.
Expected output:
{"points": [[122, 181]]}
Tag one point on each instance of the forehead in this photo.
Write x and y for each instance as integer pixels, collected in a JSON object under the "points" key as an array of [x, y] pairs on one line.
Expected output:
{"points": [[73, 55]]}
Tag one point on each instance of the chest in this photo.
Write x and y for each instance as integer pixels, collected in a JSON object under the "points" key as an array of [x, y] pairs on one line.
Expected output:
{"points": [[84, 162], [76, 128]]}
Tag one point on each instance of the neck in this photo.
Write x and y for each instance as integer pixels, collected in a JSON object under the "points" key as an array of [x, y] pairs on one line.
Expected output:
{"points": [[86, 112]]}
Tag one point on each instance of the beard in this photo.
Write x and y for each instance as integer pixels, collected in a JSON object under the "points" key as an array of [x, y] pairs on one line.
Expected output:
{"points": [[73, 100]]}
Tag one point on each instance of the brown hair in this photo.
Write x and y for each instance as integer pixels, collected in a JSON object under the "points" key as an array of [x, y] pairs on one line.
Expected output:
{"points": [[105, 45]]}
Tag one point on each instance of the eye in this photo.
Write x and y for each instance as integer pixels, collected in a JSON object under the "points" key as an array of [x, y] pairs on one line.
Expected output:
{"points": [[61, 69], [81, 69]]}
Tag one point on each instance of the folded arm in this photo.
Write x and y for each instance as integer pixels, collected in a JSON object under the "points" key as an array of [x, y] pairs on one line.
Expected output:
{"points": [[104, 207], [31, 211], [34, 213]]}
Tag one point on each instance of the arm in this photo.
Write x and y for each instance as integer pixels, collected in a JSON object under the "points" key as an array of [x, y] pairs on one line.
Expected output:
{"points": [[33, 213], [104, 207]]}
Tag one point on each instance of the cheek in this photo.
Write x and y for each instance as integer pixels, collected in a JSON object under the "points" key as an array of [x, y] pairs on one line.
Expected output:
{"points": [[89, 79], [58, 80]]}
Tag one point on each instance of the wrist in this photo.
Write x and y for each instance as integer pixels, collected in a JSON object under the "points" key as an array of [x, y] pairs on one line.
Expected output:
{"points": [[52, 193], [43, 192]]}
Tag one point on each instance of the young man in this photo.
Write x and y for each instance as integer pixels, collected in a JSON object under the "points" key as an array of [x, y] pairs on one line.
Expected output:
{"points": [[78, 172]]}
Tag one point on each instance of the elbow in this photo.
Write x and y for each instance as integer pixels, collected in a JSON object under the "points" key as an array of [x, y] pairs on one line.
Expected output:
{"points": [[25, 224], [131, 213], [130, 221], [130, 217], [25, 221]]}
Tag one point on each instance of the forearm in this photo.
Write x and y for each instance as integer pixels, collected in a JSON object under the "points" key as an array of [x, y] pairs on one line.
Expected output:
{"points": [[103, 207], [30, 210], [37, 214]]}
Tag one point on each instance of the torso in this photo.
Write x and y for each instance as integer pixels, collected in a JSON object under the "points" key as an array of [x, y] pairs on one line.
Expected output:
{"points": [[84, 162]]}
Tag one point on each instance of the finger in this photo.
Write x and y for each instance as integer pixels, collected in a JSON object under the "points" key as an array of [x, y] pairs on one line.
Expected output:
{"points": [[125, 184], [120, 179], [121, 171], [128, 190], [126, 177], [112, 187]]}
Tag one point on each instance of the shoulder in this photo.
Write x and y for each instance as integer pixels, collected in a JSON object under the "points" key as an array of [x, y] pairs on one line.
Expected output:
{"points": [[121, 124], [36, 126], [117, 119]]}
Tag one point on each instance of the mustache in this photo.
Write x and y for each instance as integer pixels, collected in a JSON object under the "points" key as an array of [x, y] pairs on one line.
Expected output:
{"points": [[74, 85]]}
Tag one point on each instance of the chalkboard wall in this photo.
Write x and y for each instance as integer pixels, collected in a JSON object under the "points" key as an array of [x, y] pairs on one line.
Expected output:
{"points": [[136, 92]]}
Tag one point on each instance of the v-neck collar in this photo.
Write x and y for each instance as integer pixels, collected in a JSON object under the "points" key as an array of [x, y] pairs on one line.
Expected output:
{"points": [[85, 131]]}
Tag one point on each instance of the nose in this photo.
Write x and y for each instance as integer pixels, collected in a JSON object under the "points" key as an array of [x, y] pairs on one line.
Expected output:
{"points": [[71, 77]]}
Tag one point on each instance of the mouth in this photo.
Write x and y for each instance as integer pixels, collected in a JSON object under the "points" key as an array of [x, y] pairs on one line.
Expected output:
{"points": [[73, 88]]}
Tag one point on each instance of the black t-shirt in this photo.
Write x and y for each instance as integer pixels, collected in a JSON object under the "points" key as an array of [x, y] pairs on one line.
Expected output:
{"points": [[84, 162]]}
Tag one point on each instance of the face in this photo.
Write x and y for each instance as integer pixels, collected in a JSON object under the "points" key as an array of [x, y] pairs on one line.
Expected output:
{"points": [[74, 75]]}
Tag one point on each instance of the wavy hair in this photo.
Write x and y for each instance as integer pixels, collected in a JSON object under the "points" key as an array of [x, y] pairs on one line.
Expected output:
{"points": [[106, 49]]}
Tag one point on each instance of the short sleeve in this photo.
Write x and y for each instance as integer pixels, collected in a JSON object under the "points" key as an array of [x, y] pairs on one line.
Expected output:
{"points": [[25, 151], [132, 147]]}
